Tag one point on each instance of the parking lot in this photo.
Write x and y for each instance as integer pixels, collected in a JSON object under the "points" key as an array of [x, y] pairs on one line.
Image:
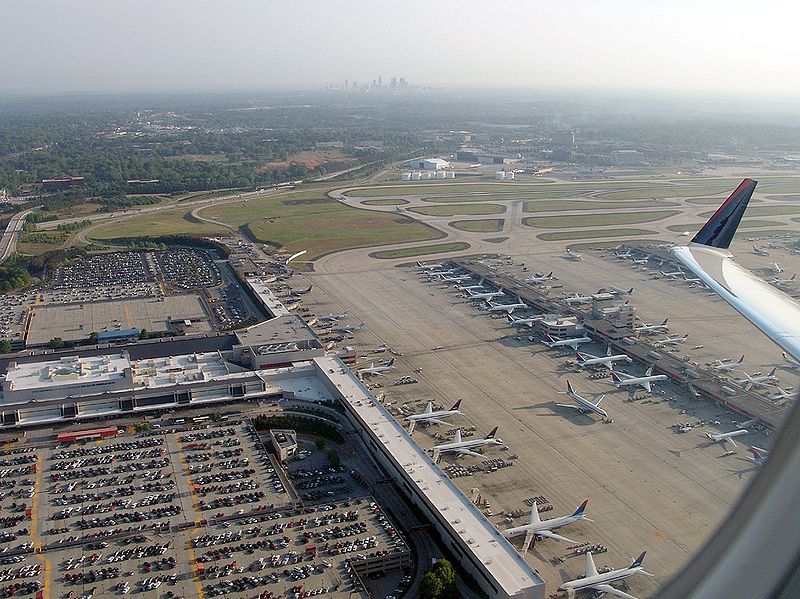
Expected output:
{"points": [[182, 510]]}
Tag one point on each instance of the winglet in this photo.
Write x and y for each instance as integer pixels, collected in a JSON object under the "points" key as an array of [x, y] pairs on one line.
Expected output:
{"points": [[719, 230], [581, 508], [638, 561]]}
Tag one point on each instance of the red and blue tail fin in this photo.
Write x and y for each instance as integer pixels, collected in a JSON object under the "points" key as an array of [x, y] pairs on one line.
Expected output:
{"points": [[638, 561], [718, 232], [456, 406], [581, 508], [491, 433]]}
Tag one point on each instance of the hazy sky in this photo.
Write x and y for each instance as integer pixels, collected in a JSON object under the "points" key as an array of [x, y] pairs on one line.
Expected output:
{"points": [[146, 45]]}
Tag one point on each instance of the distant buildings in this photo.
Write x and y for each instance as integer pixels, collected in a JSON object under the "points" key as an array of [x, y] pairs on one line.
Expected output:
{"points": [[427, 164], [474, 155], [62, 183]]}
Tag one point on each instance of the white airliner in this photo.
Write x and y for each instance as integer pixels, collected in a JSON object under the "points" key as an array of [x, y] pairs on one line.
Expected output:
{"points": [[673, 275], [431, 417], [584, 405], [624, 255], [671, 340], [332, 317], [379, 370], [641, 261], [578, 299], [348, 328], [759, 252], [759, 456], [486, 295], [784, 282], [422, 266], [723, 366], [456, 279], [650, 328], [574, 342], [544, 528], [620, 379], [471, 287], [507, 308], [524, 322], [790, 361], [762, 380], [463, 447], [726, 437], [782, 395], [776, 270], [539, 278], [573, 256], [768, 308], [583, 359], [594, 581]]}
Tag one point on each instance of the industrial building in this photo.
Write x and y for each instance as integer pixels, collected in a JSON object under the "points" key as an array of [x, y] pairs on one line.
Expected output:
{"points": [[428, 164]]}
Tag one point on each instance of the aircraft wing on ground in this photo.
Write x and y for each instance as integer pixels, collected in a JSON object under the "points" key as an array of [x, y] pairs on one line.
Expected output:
{"points": [[474, 454], [551, 535], [435, 421], [607, 588], [768, 308]]}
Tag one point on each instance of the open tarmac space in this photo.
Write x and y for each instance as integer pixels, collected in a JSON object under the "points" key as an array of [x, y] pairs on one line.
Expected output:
{"points": [[649, 488]]}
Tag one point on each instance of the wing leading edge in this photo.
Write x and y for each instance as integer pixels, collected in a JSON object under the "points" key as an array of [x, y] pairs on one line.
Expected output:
{"points": [[707, 256]]}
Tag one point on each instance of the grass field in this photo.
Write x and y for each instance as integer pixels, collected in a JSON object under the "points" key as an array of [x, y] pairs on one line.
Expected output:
{"points": [[764, 211], [596, 220], [308, 221], [762, 233], [562, 205], [548, 193], [422, 250], [446, 186], [785, 198], [460, 210], [154, 224], [745, 224], [592, 234], [385, 202], [492, 225], [672, 191], [715, 201]]}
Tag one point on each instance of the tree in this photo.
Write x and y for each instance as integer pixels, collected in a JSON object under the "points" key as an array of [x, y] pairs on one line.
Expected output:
{"points": [[143, 334], [5, 346], [444, 570], [92, 338], [430, 587], [334, 458], [56, 343]]}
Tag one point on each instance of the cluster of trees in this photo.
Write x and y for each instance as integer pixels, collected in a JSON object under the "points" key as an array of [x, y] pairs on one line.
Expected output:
{"points": [[310, 426], [74, 226], [439, 582], [14, 277]]}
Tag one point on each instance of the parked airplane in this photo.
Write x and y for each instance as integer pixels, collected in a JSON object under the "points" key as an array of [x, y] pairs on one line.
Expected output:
{"points": [[348, 328], [722, 366], [648, 327], [379, 370], [507, 308], [539, 278], [641, 261], [584, 405], [422, 266], [583, 359], [471, 287], [776, 270], [763, 380], [617, 291], [594, 581], [620, 379], [693, 280], [673, 275], [790, 361], [784, 282], [782, 395], [544, 528], [302, 291], [332, 317], [726, 437], [759, 455], [624, 255], [431, 417], [771, 310], [578, 299], [573, 256], [671, 341], [456, 279], [759, 252], [487, 295], [460, 447], [574, 342], [524, 322]]}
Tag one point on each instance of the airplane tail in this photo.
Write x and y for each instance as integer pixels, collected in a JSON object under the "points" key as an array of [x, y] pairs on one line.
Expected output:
{"points": [[456, 406], [390, 363], [550, 274], [491, 434], [535, 519], [756, 453], [569, 388], [664, 322], [772, 372], [638, 561], [581, 508], [615, 377], [719, 230], [740, 360], [649, 371]]}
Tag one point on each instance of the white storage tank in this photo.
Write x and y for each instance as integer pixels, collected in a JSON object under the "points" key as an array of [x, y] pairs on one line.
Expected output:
{"points": [[427, 175], [405, 177], [441, 174], [510, 176], [415, 176], [500, 175], [451, 175]]}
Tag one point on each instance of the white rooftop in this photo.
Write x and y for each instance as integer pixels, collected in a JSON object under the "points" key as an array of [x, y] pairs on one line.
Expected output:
{"points": [[499, 557], [272, 303], [173, 370], [67, 371]]}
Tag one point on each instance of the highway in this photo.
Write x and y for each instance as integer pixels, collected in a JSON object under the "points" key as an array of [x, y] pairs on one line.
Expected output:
{"points": [[8, 243]]}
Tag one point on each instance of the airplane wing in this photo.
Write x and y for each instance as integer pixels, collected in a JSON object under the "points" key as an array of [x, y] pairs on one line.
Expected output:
{"points": [[474, 454], [566, 405], [591, 569], [729, 440], [411, 426], [768, 308], [607, 588], [435, 421], [647, 386], [551, 535]]}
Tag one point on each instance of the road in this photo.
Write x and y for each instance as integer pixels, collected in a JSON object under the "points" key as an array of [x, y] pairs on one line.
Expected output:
{"points": [[8, 243]]}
